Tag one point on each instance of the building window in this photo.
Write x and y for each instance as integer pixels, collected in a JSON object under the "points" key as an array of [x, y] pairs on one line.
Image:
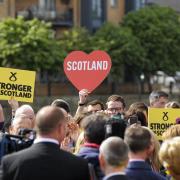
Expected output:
{"points": [[97, 14], [96, 8], [113, 3], [93, 14], [139, 4], [48, 5]]}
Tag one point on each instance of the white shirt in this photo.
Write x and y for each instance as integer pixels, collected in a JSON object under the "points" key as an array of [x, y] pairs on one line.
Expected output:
{"points": [[139, 160], [38, 140], [113, 174]]}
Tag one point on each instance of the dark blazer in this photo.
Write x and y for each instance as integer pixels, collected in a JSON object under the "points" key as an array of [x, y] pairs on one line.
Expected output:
{"points": [[91, 154], [44, 161], [138, 170], [118, 177]]}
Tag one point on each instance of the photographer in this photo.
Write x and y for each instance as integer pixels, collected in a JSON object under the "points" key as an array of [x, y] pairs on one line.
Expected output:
{"points": [[20, 122], [19, 136]]}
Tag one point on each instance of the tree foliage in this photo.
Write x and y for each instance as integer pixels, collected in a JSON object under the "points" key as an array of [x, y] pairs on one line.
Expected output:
{"points": [[146, 41], [28, 44], [121, 45], [75, 39], [158, 31]]}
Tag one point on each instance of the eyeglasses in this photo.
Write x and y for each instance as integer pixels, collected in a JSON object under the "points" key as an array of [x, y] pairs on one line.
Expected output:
{"points": [[115, 109]]}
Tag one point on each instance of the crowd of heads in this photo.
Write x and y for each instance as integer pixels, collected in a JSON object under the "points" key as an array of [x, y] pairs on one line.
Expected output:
{"points": [[118, 133]]}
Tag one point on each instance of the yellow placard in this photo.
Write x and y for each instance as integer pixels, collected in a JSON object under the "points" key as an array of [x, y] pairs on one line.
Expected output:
{"points": [[159, 119], [16, 83]]}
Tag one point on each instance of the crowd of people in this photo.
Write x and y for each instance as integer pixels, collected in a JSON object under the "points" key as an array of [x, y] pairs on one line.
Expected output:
{"points": [[109, 142]]}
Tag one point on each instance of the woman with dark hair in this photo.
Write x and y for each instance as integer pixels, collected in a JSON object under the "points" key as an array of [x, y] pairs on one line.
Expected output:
{"points": [[139, 110]]}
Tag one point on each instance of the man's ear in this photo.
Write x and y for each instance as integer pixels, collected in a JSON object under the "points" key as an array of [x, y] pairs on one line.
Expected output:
{"points": [[126, 162], [150, 149], [61, 131], [102, 161]]}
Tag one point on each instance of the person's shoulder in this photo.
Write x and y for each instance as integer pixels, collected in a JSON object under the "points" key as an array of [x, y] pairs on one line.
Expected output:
{"points": [[15, 157], [72, 157], [17, 153]]}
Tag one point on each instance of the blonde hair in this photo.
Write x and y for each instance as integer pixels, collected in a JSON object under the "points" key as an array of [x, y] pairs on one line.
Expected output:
{"points": [[169, 154], [154, 159], [171, 132]]}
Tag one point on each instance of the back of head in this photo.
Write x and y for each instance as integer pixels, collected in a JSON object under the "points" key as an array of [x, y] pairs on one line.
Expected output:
{"points": [[169, 155], [137, 138], [116, 97], [47, 119], [172, 131], [62, 104], [137, 107], [115, 151], [94, 127]]}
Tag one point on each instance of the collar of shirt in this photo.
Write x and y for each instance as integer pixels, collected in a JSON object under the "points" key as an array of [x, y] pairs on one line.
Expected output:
{"points": [[139, 160], [113, 174], [38, 140], [93, 145]]}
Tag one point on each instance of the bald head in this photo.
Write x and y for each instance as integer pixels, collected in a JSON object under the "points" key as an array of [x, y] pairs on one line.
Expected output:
{"points": [[48, 118]]}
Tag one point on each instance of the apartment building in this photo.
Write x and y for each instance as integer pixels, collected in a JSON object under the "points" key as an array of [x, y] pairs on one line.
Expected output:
{"points": [[66, 13]]}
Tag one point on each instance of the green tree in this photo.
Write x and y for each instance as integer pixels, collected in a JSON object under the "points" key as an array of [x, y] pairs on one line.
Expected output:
{"points": [[28, 45], [158, 31], [76, 38], [121, 45]]}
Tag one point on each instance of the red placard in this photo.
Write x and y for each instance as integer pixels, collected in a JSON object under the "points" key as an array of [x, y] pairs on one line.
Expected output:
{"points": [[87, 71]]}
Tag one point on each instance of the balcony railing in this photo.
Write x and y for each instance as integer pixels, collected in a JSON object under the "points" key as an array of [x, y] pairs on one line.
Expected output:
{"points": [[57, 18]]}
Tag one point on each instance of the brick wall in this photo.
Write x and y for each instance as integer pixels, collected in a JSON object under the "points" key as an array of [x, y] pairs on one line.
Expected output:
{"points": [[24, 4], [115, 14], [3, 10]]}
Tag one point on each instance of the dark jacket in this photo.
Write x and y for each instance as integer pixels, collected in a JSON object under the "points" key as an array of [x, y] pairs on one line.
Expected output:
{"points": [[44, 160], [138, 170], [91, 153]]}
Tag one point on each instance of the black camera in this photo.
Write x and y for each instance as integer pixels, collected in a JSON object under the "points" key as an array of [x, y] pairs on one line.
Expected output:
{"points": [[12, 143], [115, 126], [133, 120]]}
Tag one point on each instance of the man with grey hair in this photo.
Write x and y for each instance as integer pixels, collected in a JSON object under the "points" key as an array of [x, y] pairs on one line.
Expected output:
{"points": [[26, 110], [113, 158], [158, 99], [20, 122]]}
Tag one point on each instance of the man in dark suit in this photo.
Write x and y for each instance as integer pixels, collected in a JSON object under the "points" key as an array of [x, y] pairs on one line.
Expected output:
{"points": [[139, 140], [44, 159], [113, 158]]}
